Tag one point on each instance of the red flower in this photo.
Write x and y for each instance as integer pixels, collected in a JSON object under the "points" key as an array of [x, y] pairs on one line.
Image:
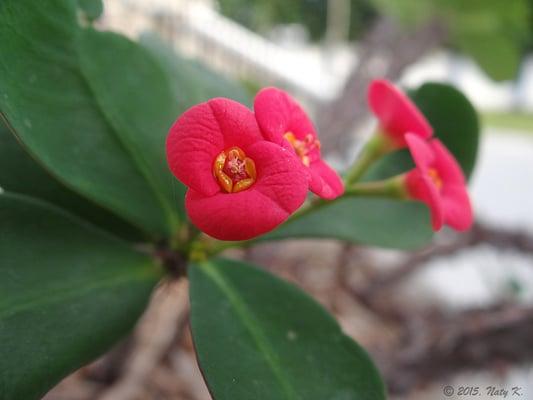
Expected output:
{"points": [[240, 185], [284, 122], [439, 182], [396, 113]]}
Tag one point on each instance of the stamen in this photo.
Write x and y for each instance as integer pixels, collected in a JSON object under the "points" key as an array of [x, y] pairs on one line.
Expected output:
{"points": [[249, 166], [243, 185], [303, 147], [435, 177], [234, 171]]}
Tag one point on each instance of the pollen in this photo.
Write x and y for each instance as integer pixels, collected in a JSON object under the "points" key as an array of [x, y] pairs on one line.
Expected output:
{"points": [[303, 148], [234, 171], [435, 177]]}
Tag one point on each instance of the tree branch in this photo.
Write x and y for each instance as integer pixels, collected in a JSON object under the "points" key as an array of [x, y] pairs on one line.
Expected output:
{"points": [[385, 51]]}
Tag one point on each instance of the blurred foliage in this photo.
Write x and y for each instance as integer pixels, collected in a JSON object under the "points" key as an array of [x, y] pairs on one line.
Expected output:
{"points": [[494, 32], [92, 9], [530, 36], [516, 121], [261, 15], [192, 81]]}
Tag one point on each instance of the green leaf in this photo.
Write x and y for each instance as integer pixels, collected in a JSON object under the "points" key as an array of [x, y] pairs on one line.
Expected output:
{"points": [[260, 338], [390, 165], [67, 293], [183, 76], [47, 101], [365, 220], [19, 173], [370, 221], [141, 107], [192, 82], [92, 9], [373, 221], [453, 118]]}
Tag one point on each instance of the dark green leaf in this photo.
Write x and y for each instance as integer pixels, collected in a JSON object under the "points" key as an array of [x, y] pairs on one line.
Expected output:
{"points": [[453, 118], [260, 338], [67, 293], [92, 9], [19, 173], [366, 220], [52, 110], [140, 107]]}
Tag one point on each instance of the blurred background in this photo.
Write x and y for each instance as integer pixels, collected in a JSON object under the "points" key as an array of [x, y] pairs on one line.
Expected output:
{"points": [[457, 313]]}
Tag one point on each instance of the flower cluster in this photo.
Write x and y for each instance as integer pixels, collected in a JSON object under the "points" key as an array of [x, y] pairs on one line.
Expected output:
{"points": [[248, 172], [437, 179]]}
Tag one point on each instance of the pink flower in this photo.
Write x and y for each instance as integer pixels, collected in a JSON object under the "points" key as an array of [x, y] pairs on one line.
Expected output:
{"points": [[284, 122], [396, 113], [240, 185], [439, 182]]}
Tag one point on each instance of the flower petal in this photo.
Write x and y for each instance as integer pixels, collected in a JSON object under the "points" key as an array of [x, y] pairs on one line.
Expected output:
{"points": [[234, 216], [397, 114], [422, 188], [201, 133], [278, 113], [325, 181], [280, 175], [421, 151], [236, 122], [446, 164], [280, 189], [457, 207]]}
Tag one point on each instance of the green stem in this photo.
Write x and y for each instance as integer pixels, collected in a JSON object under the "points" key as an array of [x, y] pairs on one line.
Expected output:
{"points": [[376, 147], [308, 207], [393, 187], [220, 246]]}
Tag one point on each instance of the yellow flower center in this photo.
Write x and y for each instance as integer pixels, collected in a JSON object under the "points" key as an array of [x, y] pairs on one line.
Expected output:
{"points": [[234, 171], [435, 177], [303, 147]]}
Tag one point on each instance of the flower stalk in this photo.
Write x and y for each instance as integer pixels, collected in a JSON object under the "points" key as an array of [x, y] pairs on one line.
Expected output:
{"points": [[373, 150], [393, 187]]}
